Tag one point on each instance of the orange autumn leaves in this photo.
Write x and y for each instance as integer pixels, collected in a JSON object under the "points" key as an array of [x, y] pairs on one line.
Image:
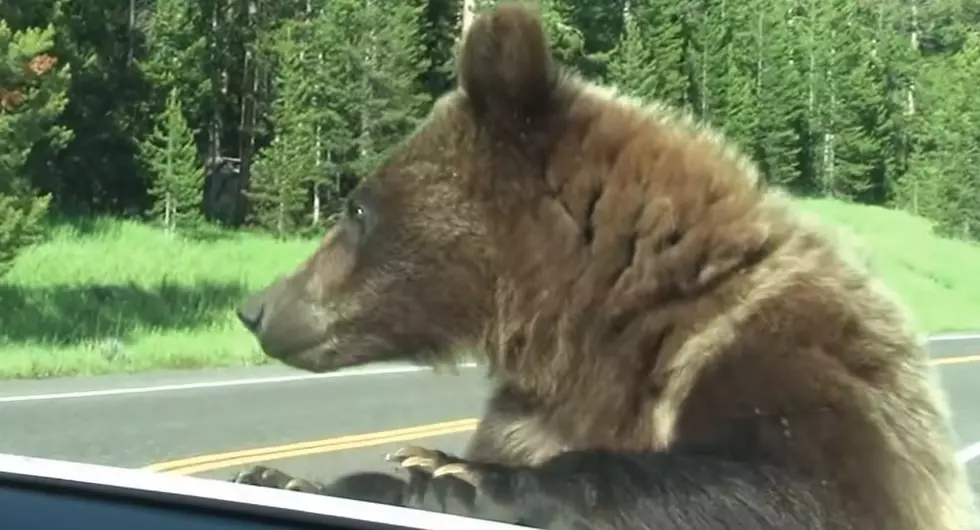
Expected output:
{"points": [[10, 99]]}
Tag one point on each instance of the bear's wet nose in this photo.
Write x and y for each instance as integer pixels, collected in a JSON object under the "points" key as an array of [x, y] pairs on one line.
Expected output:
{"points": [[250, 314]]}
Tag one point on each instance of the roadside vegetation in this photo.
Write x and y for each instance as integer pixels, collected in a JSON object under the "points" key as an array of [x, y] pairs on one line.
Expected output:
{"points": [[158, 160], [121, 296]]}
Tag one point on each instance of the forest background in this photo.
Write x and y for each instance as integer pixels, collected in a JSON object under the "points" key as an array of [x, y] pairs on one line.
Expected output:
{"points": [[159, 158]]}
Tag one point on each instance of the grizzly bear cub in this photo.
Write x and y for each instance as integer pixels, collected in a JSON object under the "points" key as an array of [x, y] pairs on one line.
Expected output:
{"points": [[672, 345]]}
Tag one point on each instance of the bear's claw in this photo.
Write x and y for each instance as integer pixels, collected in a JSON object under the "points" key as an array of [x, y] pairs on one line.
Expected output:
{"points": [[268, 477], [460, 470], [434, 462]]}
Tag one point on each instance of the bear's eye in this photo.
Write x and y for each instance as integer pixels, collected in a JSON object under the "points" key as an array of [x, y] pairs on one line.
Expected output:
{"points": [[354, 210]]}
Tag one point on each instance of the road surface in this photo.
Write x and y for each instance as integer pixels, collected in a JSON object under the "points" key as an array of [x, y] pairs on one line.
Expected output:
{"points": [[164, 419]]}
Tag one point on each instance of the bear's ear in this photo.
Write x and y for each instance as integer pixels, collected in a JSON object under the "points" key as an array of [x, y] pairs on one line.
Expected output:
{"points": [[505, 63]]}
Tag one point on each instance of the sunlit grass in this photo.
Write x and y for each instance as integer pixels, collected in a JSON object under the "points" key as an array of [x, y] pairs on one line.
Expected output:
{"points": [[118, 296], [938, 278]]}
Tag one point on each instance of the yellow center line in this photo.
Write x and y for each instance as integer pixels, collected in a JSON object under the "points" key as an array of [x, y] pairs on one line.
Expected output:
{"points": [[958, 360], [325, 445], [328, 448], [210, 462]]}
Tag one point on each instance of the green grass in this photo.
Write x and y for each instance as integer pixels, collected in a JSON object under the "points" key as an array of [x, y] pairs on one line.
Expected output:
{"points": [[117, 296], [937, 278]]}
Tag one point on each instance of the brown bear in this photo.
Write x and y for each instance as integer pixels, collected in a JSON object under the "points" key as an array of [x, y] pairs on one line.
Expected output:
{"points": [[657, 322]]}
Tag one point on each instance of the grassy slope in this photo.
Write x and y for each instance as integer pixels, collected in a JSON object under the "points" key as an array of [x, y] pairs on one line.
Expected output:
{"points": [[938, 278], [120, 296]]}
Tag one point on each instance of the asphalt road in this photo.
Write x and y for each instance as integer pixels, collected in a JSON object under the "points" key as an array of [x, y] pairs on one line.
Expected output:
{"points": [[138, 420]]}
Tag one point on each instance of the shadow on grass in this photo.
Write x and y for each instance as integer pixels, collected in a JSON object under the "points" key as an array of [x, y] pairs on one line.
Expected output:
{"points": [[208, 233], [87, 226], [81, 226], [65, 315]]}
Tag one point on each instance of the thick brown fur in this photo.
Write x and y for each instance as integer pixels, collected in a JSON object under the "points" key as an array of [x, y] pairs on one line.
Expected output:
{"points": [[634, 285]]}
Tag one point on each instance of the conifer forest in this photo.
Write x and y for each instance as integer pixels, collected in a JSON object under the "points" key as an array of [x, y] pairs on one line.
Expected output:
{"points": [[262, 114]]}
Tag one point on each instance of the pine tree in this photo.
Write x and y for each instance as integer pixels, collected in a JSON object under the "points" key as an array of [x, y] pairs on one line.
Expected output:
{"points": [[706, 61], [32, 96], [282, 171], [277, 189], [942, 183], [375, 55], [170, 153], [896, 60], [722, 63], [177, 54], [852, 102], [781, 91], [337, 102], [648, 61], [733, 89], [633, 68], [964, 191]]}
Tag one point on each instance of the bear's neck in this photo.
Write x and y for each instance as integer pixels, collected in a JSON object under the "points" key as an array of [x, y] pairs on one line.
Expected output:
{"points": [[580, 321]]}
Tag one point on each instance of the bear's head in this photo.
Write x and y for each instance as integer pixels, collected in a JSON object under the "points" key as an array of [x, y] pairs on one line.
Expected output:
{"points": [[512, 220]]}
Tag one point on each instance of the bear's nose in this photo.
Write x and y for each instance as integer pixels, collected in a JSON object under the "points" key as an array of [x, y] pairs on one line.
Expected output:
{"points": [[250, 314]]}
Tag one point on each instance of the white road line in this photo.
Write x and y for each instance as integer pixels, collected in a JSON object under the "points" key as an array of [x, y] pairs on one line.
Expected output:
{"points": [[953, 336], [300, 377], [969, 452], [217, 384]]}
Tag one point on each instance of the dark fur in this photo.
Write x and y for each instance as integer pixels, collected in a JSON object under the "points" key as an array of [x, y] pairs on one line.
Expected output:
{"points": [[635, 288], [581, 490]]}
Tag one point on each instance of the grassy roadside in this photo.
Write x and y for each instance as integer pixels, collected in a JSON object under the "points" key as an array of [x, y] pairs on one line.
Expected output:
{"points": [[936, 277], [116, 296], [119, 296]]}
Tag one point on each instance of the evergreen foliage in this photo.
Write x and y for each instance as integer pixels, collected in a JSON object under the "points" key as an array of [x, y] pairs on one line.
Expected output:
{"points": [[865, 102], [177, 177], [32, 95]]}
